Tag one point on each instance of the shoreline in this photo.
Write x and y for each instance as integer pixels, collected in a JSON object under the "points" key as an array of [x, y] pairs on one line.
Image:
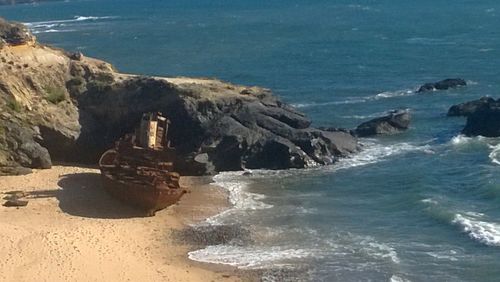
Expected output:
{"points": [[72, 230]]}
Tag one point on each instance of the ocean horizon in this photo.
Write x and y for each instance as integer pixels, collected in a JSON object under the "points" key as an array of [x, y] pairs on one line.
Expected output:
{"points": [[422, 205]]}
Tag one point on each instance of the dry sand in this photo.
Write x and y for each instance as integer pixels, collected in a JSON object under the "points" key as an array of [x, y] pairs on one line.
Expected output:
{"points": [[72, 230]]}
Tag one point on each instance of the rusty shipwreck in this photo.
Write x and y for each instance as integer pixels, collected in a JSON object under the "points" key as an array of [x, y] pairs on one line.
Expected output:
{"points": [[139, 170]]}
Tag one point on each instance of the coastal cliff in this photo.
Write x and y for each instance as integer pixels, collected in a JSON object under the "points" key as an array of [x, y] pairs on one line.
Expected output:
{"points": [[61, 106]]}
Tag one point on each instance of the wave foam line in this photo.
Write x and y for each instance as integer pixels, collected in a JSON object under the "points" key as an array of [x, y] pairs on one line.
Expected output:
{"points": [[240, 198], [247, 257], [357, 100], [484, 232], [373, 153], [75, 19]]}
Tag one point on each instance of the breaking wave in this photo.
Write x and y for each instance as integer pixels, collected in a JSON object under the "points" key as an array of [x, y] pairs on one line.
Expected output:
{"points": [[461, 141], [495, 154], [487, 233], [62, 25], [375, 152], [241, 200]]}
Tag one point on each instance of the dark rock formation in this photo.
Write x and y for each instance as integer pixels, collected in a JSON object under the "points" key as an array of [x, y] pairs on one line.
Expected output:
{"points": [[484, 121], [23, 150], [14, 33], [395, 122], [442, 85], [213, 126], [80, 106], [467, 108]]}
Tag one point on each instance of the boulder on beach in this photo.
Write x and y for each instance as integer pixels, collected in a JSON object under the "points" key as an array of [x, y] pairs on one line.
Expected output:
{"points": [[395, 122], [442, 85]]}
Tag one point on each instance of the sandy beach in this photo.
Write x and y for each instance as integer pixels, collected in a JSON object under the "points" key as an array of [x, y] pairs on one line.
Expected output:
{"points": [[71, 230]]}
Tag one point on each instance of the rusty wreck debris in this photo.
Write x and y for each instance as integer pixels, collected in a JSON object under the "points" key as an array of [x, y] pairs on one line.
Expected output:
{"points": [[139, 170]]}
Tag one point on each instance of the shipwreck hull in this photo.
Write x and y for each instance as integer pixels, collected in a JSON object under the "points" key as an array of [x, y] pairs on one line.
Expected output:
{"points": [[138, 187], [145, 197]]}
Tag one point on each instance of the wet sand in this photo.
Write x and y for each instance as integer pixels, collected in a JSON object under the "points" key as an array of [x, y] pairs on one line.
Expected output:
{"points": [[71, 230]]}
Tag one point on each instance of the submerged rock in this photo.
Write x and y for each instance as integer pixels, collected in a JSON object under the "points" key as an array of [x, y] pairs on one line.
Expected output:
{"points": [[395, 122], [468, 108], [442, 85]]}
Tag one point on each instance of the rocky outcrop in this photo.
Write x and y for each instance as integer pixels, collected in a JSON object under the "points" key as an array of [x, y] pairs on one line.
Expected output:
{"points": [[442, 85], [14, 33], [215, 126], [20, 147], [468, 108], [80, 106], [395, 122], [484, 120]]}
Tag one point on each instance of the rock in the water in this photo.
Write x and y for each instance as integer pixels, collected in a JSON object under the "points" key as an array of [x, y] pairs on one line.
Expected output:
{"points": [[468, 108], [442, 85], [395, 122], [484, 121]]}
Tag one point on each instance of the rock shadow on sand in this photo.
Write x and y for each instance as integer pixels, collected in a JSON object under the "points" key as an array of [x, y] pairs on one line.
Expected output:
{"points": [[82, 195]]}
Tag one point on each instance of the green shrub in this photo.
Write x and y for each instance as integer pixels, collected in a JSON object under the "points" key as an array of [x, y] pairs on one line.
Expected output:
{"points": [[55, 95], [14, 105]]}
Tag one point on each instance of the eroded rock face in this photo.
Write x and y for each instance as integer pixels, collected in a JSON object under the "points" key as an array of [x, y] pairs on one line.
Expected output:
{"points": [[484, 121], [442, 85], [215, 127], [81, 106], [468, 108], [395, 122]]}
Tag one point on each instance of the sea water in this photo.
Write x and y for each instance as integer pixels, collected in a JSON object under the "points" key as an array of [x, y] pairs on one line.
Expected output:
{"points": [[423, 205]]}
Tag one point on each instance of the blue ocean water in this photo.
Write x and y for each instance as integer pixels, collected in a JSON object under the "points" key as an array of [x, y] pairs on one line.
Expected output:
{"points": [[420, 206]]}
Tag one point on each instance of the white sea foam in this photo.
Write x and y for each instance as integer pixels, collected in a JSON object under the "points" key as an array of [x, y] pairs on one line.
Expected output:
{"points": [[75, 19], [52, 31], [482, 231], [330, 103], [249, 257], [492, 143], [395, 278], [444, 255], [57, 25], [380, 250], [357, 100], [398, 93], [429, 201], [495, 154], [374, 152], [374, 115], [240, 198]]}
